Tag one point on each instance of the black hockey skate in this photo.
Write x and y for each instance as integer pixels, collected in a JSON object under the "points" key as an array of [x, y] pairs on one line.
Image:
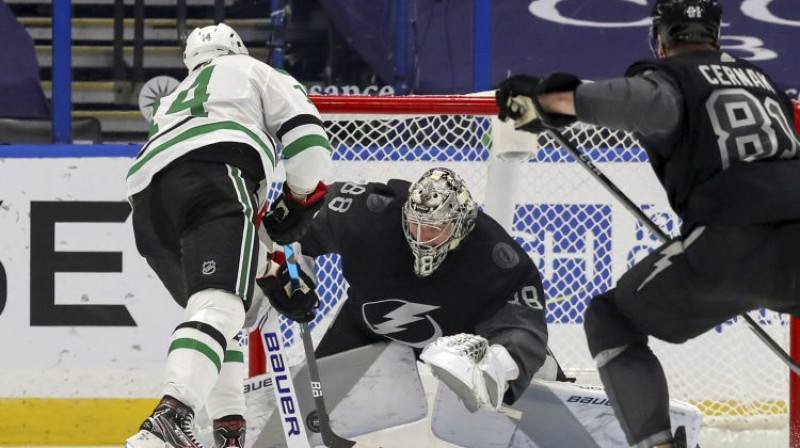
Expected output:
{"points": [[169, 426], [229, 432]]}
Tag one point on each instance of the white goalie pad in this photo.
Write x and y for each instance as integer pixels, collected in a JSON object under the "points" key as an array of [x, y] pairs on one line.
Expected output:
{"points": [[549, 415], [366, 390]]}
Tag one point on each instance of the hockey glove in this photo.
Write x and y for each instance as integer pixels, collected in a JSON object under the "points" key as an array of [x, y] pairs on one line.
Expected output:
{"points": [[517, 99], [289, 217], [296, 304], [477, 372], [514, 98]]}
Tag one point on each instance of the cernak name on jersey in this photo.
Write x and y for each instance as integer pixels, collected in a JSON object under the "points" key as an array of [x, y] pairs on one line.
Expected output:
{"points": [[721, 75]]}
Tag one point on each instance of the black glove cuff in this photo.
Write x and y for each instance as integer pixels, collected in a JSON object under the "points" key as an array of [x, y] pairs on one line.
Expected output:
{"points": [[557, 82], [289, 218]]}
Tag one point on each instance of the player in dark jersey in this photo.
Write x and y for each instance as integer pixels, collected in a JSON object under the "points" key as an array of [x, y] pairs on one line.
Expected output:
{"points": [[426, 268], [718, 134]]}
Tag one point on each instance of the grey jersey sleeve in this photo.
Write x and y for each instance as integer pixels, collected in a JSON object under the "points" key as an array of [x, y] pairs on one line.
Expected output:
{"points": [[521, 328], [650, 104]]}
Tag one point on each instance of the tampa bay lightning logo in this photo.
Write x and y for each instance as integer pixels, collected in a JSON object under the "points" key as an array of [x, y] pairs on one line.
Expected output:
{"points": [[402, 321]]}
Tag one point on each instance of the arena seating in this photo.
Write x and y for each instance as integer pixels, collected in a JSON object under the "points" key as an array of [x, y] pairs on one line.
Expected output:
{"points": [[106, 83]]}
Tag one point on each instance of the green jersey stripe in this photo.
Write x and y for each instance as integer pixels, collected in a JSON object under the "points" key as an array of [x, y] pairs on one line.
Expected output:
{"points": [[200, 130], [233, 356], [194, 344], [246, 252], [303, 143]]}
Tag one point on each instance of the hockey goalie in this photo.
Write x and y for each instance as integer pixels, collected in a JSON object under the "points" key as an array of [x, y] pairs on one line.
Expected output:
{"points": [[434, 280]]}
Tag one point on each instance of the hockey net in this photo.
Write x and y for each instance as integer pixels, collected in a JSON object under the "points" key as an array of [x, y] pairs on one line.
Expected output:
{"points": [[581, 238]]}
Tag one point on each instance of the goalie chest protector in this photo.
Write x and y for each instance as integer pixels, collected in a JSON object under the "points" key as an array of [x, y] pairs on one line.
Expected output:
{"points": [[385, 297]]}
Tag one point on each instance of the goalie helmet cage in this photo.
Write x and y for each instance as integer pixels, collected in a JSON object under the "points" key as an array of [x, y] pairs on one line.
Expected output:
{"points": [[581, 238]]}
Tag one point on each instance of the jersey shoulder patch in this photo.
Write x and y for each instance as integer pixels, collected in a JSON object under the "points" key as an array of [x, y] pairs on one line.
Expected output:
{"points": [[504, 256], [382, 195], [495, 242], [377, 202], [379, 197]]}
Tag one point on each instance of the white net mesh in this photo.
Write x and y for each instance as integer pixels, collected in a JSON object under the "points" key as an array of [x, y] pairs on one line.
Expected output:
{"points": [[582, 240], [587, 240]]}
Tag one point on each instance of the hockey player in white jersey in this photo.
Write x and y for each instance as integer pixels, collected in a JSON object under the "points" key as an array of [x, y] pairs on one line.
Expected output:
{"points": [[196, 189]]}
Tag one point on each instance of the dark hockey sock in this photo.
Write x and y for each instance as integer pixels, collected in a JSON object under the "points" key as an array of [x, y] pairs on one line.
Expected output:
{"points": [[637, 387]]}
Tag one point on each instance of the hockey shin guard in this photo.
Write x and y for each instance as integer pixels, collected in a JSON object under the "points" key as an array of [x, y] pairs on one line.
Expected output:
{"points": [[637, 388]]}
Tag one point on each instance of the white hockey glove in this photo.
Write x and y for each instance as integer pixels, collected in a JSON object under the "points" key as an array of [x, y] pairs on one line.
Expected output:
{"points": [[476, 372]]}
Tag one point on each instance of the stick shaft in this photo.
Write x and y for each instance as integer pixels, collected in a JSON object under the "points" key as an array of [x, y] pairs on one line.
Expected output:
{"points": [[329, 438]]}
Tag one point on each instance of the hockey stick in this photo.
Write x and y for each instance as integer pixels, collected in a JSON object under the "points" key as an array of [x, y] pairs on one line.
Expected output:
{"points": [[661, 235], [329, 438], [293, 429]]}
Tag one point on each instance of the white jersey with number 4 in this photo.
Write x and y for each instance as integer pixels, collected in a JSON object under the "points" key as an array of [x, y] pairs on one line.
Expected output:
{"points": [[237, 98]]}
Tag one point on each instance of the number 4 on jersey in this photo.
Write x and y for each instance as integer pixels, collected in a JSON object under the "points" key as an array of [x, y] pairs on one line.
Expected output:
{"points": [[199, 95]]}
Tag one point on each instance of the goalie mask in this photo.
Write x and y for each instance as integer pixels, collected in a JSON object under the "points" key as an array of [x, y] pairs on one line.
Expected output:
{"points": [[685, 21], [207, 43], [437, 216]]}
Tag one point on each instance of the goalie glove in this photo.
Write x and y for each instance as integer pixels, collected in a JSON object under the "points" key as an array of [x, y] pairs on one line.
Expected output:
{"points": [[290, 217], [516, 98], [477, 372], [296, 304]]}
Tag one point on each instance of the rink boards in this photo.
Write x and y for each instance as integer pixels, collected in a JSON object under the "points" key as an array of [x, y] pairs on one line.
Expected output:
{"points": [[87, 323]]}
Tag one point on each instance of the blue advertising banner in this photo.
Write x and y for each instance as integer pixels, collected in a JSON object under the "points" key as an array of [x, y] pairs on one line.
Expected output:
{"points": [[19, 72], [594, 39], [599, 39]]}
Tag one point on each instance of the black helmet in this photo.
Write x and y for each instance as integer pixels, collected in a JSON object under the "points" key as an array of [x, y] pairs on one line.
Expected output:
{"points": [[689, 21]]}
